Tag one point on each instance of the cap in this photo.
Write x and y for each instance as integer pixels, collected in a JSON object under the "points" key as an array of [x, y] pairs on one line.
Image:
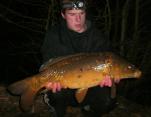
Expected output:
{"points": [[73, 4]]}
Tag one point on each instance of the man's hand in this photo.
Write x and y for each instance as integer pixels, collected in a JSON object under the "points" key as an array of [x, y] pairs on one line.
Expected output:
{"points": [[108, 82], [53, 86]]}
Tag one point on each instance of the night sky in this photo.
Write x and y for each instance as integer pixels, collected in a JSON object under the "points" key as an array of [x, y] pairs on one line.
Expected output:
{"points": [[23, 25]]}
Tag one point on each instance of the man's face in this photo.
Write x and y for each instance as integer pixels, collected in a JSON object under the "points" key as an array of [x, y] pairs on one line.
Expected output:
{"points": [[75, 19]]}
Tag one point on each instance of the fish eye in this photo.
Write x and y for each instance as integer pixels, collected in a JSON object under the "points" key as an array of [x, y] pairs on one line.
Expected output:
{"points": [[129, 67]]}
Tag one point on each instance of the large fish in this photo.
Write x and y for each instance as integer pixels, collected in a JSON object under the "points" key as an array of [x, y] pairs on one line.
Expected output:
{"points": [[79, 71]]}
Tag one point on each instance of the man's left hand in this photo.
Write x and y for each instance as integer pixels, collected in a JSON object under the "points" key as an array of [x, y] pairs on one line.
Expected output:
{"points": [[55, 87]]}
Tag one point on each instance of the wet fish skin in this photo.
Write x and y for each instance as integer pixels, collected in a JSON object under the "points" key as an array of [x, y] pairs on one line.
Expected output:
{"points": [[79, 71]]}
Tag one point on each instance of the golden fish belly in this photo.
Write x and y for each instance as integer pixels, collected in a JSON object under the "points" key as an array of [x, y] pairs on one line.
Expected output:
{"points": [[81, 80]]}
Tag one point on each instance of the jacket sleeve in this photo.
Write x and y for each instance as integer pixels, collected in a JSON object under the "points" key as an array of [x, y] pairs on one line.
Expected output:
{"points": [[48, 44], [52, 46]]}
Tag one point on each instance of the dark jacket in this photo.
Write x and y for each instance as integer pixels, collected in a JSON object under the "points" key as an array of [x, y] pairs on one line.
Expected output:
{"points": [[60, 41]]}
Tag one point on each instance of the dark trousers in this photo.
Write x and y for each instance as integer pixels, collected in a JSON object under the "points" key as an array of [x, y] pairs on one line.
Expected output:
{"points": [[99, 99]]}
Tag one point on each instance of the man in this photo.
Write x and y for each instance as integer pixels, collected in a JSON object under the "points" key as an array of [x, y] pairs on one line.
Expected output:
{"points": [[75, 34]]}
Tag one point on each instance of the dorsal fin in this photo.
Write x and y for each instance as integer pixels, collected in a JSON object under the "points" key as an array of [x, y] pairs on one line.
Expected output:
{"points": [[50, 62]]}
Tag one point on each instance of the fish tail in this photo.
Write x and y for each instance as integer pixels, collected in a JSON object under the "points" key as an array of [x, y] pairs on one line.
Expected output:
{"points": [[25, 88]]}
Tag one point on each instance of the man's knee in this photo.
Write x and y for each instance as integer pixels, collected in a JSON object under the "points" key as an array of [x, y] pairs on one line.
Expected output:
{"points": [[100, 101], [59, 101]]}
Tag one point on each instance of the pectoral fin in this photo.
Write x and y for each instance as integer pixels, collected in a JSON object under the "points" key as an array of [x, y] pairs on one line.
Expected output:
{"points": [[113, 89], [80, 94]]}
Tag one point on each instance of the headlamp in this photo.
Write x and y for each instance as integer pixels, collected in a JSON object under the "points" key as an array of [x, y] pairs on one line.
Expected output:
{"points": [[74, 5]]}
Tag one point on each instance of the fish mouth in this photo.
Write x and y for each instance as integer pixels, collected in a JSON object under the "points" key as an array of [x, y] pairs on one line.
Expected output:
{"points": [[138, 74]]}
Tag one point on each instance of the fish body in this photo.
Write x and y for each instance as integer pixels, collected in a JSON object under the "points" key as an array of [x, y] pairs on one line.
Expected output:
{"points": [[79, 71]]}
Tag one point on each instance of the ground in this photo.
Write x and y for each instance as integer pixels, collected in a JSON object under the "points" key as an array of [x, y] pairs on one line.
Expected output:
{"points": [[9, 105]]}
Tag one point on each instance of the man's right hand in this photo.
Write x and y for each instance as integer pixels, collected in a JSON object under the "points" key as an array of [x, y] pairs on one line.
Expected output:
{"points": [[53, 86]]}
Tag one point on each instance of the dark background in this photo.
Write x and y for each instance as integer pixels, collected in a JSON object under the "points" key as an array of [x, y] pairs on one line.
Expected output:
{"points": [[23, 24]]}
